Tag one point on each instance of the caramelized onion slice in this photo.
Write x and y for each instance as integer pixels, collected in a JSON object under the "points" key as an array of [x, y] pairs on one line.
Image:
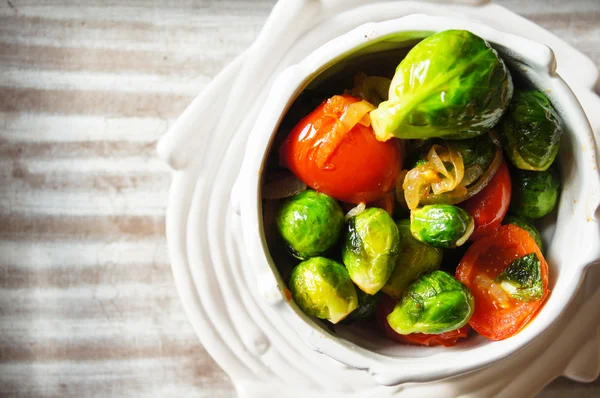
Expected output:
{"points": [[485, 179], [359, 208], [355, 113]]}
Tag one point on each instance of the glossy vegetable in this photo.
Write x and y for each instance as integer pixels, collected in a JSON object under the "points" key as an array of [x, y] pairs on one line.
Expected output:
{"points": [[477, 152], [441, 225], [525, 224], [489, 206], [534, 192], [327, 150], [310, 223], [447, 339], [498, 316], [322, 288], [531, 131], [367, 304], [522, 280], [370, 249], [452, 171], [451, 84], [434, 303], [435, 178], [414, 259]]}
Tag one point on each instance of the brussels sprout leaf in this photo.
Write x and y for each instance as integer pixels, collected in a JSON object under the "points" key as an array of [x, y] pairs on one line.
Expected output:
{"points": [[522, 280]]}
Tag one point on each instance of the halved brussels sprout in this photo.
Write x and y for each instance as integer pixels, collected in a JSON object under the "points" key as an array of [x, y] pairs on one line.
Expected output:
{"points": [[441, 225], [451, 171], [451, 84], [534, 193], [531, 131], [310, 223], [414, 259], [522, 280], [366, 306], [435, 303], [479, 151], [322, 288], [370, 249], [525, 224]]}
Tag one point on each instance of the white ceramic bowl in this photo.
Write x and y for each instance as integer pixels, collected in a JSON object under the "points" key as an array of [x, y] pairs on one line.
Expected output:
{"points": [[571, 238]]}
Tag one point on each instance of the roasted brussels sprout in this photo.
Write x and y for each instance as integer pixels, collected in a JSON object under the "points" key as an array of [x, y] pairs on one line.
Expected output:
{"points": [[310, 223], [525, 224], [414, 259], [370, 249], [441, 225], [366, 306], [531, 131], [322, 288], [451, 84], [522, 280], [534, 193], [435, 303], [476, 152]]}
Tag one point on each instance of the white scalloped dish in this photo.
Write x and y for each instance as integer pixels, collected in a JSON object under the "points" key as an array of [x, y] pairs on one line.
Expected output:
{"points": [[571, 237]]}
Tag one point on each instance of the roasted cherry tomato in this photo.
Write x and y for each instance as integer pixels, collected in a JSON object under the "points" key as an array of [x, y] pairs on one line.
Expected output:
{"points": [[351, 166], [386, 306], [489, 206], [496, 315]]}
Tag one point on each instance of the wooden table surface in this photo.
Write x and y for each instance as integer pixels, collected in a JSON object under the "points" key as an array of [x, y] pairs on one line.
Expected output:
{"points": [[87, 302]]}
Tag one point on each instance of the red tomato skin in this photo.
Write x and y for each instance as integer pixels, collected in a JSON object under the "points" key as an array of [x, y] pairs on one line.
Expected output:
{"points": [[448, 339], [489, 206], [360, 170], [505, 244]]}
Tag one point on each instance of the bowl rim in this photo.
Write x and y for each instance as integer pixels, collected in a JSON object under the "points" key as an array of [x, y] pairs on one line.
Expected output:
{"points": [[393, 370]]}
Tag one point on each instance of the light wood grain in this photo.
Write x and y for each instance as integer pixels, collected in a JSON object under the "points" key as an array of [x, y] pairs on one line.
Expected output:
{"points": [[87, 301]]}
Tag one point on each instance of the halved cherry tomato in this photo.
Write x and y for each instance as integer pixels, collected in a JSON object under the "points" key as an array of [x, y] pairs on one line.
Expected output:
{"points": [[496, 316], [351, 166], [386, 306], [489, 206]]}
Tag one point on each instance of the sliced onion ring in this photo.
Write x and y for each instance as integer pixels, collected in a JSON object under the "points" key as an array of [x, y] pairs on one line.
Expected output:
{"points": [[359, 208], [471, 175]]}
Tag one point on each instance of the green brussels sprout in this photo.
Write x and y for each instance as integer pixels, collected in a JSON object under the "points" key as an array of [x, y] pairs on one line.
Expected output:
{"points": [[370, 249], [366, 307], [534, 193], [525, 224], [479, 151], [522, 280], [451, 84], [414, 259], [322, 288], [531, 131], [310, 223], [441, 225], [435, 303]]}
